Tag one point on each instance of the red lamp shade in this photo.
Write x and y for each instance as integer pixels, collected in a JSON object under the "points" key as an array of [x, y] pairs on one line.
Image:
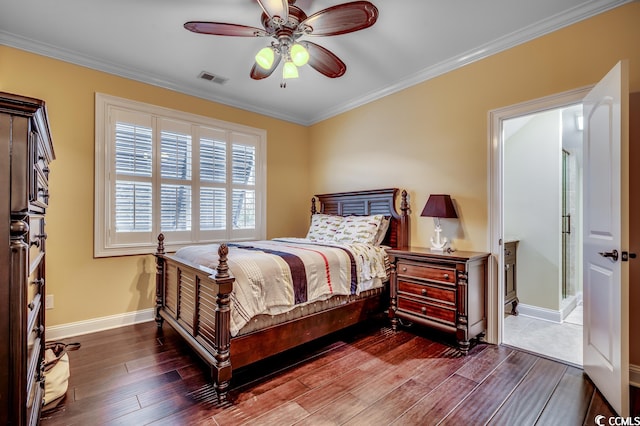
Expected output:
{"points": [[439, 205]]}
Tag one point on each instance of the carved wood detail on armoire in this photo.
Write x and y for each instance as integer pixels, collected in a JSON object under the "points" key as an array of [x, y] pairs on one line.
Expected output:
{"points": [[25, 153]]}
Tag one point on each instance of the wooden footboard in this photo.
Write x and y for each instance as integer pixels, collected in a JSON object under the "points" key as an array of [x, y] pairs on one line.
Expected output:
{"points": [[195, 302]]}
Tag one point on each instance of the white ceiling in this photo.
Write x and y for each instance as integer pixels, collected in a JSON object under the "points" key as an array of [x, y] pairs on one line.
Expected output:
{"points": [[412, 41]]}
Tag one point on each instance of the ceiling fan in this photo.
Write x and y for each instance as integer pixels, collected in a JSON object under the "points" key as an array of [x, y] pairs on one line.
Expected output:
{"points": [[287, 23]]}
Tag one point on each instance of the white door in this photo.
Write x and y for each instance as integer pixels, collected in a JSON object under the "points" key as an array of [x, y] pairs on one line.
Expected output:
{"points": [[606, 235]]}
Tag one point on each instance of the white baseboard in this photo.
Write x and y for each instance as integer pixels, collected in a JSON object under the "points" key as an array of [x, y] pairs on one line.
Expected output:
{"points": [[63, 331], [539, 313]]}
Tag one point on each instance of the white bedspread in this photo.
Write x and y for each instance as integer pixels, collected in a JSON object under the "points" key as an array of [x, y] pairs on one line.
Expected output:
{"points": [[275, 276]]}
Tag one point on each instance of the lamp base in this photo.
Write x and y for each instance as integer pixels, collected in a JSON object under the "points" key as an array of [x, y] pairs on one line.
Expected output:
{"points": [[439, 243]]}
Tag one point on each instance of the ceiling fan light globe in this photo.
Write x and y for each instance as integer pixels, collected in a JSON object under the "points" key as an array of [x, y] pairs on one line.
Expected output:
{"points": [[265, 58], [299, 55], [289, 70]]}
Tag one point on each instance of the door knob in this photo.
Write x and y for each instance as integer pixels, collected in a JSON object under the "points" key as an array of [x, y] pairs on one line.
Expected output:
{"points": [[613, 255]]}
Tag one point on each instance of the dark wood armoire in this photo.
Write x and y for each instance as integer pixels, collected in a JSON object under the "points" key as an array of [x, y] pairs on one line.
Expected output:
{"points": [[25, 153]]}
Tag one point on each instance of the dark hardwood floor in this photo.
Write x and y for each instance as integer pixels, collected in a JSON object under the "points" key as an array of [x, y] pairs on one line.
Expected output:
{"points": [[368, 375]]}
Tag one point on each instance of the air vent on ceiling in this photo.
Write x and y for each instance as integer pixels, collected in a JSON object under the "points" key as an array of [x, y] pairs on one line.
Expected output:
{"points": [[212, 77]]}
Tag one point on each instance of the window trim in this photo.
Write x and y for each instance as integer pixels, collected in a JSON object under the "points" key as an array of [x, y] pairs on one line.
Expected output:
{"points": [[104, 144]]}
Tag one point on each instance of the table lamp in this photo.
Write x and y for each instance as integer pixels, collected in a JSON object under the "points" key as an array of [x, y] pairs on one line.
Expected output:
{"points": [[439, 206]]}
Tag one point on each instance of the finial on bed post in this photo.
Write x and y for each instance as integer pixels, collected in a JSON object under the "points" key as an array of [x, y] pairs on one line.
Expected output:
{"points": [[159, 278], [313, 206], [222, 271], [160, 249], [404, 220]]}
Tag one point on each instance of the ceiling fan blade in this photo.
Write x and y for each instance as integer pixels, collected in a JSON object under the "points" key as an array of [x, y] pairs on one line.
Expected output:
{"points": [[258, 73], [220, 28], [323, 61], [275, 8], [342, 18]]}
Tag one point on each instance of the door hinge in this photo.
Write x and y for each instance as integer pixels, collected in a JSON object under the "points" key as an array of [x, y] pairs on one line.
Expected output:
{"points": [[626, 256]]}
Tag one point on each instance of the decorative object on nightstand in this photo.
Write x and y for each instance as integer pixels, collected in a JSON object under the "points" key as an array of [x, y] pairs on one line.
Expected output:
{"points": [[439, 206], [445, 291]]}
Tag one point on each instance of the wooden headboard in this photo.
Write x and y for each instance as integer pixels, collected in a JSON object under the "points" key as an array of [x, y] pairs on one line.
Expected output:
{"points": [[362, 203]]}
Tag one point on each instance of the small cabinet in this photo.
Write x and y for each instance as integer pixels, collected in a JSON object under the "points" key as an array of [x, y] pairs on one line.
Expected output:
{"points": [[510, 276], [445, 291]]}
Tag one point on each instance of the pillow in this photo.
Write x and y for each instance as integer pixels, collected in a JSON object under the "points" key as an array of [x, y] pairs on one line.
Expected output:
{"points": [[382, 231], [323, 227], [359, 229]]}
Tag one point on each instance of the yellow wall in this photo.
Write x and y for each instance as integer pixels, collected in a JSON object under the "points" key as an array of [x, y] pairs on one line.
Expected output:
{"points": [[84, 287], [433, 137]]}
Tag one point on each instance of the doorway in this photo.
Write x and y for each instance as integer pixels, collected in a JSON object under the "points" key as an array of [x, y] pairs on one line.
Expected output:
{"points": [[541, 221], [496, 293]]}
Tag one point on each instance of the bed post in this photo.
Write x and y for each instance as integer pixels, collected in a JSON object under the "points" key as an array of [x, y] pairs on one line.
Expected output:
{"points": [[403, 238], [313, 206], [221, 369], [159, 279]]}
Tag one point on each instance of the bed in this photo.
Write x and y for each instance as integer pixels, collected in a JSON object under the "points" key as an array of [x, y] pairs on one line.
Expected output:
{"points": [[199, 300]]}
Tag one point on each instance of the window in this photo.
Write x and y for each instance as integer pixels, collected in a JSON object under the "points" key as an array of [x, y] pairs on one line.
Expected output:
{"points": [[189, 177]]}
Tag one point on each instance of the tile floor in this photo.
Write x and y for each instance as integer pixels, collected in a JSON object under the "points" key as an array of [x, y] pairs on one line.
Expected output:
{"points": [[559, 341]]}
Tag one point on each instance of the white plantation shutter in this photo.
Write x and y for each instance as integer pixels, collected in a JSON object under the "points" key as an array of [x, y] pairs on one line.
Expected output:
{"points": [[133, 161], [213, 183], [244, 204], [213, 209], [133, 206], [176, 158], [159, 170], [131, 183]]}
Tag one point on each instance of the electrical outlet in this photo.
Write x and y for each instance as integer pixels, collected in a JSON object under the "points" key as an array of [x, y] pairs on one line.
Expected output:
{"points": [[48, 301]]}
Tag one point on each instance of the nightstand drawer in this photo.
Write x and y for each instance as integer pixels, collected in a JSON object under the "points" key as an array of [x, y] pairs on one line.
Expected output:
{"points": [[441, 275], [428, 311], [437, 294]]}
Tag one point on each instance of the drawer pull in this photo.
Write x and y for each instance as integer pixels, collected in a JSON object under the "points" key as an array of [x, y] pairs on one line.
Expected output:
{"points": [[446, 276], [424, 310], [404, 269], [424, 291]]}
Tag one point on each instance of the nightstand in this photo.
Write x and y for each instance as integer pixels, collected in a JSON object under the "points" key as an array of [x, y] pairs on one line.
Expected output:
{"points": [[445, 291]]}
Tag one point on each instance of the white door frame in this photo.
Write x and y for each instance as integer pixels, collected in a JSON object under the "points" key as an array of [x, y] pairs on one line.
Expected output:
{"points": [[495, 293]]}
